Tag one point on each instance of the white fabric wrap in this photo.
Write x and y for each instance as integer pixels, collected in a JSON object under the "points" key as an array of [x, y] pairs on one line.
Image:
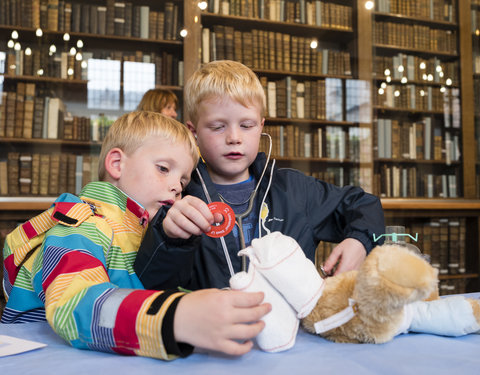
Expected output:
{"points": [[281, 323], [281, 260], [450, 316]]}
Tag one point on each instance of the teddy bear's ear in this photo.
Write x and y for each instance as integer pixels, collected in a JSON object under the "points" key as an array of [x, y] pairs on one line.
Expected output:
{"points": [[393, 276]]}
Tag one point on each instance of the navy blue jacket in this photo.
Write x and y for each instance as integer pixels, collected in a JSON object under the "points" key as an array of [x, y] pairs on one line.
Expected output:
{"points": [[300, 206]]}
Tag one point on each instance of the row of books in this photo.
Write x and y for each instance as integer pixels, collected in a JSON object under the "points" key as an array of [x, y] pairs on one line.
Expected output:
{"points": [[318, 99], [415, 141], [309, 12], [39, 62], [25, 115], [264, 49], [444, 241], [340, 176], [333, 142], [419, 37], [438, 10], [393, 181], [421, 98], [415, 68], [119, 18], [39, 174]]}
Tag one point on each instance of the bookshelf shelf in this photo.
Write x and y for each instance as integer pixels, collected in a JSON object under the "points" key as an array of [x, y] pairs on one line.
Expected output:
{"points": [[316, 160], [427, 83], [404, 204], [283, 120], [28, 34], [382, 109], [50, 142], [400, 18], [418, 161], [390, 49], [25, 203], [27, 78], [340, 34], [279, 73]]}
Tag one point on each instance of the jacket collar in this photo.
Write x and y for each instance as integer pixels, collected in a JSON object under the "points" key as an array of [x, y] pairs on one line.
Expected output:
{"points": [[105, 196], [256, 169]]}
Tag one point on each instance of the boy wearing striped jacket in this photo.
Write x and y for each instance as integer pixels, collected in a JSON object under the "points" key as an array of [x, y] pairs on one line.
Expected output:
{"points": [[73, 264]]}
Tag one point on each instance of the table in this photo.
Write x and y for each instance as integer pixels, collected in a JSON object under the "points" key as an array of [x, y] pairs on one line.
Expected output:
{"points": [[419, 353]]}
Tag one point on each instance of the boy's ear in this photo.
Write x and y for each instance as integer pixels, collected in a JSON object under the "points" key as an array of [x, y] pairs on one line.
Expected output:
{"points": [[191, 127], [263, 122], [113, 163]]}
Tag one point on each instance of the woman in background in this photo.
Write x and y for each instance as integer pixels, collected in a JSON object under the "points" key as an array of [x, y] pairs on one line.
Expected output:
{"points": [[159, 100]]}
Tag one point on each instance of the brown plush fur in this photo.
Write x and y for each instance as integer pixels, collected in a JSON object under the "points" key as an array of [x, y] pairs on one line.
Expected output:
{"points": [[391, 277]]}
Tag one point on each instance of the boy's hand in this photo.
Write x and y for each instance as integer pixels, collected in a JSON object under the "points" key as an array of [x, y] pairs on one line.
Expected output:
{"points": [[220, 320], [350, 254], [188, 216]]}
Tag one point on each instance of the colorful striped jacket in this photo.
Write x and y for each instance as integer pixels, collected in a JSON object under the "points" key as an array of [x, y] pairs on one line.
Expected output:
{"points": [[79, 276]]}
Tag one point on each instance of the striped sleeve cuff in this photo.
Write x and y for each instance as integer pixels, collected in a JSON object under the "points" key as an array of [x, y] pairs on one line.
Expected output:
{"points": [[172, 347]]}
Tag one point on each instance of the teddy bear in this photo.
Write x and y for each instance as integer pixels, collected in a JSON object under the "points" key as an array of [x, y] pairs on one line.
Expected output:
{"points": [[395, 291]]}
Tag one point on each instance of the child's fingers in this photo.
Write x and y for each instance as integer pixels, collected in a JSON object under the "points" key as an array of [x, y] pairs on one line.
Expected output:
{"points": [[246, 299], [236, 348], [251, 314], [246, 331], [200, 206], [331, 260]]}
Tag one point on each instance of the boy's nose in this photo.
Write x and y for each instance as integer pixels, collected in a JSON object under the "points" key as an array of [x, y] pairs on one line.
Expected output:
{"points": [[233, 136], [175, 186]]}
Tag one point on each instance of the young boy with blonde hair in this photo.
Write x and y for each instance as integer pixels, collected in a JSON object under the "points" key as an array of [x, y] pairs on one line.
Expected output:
{"points": [[79, 275], [225, 106]]}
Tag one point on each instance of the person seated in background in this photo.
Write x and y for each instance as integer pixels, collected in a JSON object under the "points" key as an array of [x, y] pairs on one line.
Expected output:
{"points": [[73, 264], [159, 100]]}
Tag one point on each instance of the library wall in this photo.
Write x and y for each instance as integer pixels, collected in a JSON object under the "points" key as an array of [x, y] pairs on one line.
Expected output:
{"points": [[380, 97]]}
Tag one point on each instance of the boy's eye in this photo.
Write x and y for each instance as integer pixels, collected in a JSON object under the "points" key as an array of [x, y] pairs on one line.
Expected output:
{"points": [[162, 168], [217, 126]]}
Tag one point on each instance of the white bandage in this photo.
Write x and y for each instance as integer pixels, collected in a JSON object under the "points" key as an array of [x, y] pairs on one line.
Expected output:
{"points": [[450, 316], [281, 323], [282, 262]]}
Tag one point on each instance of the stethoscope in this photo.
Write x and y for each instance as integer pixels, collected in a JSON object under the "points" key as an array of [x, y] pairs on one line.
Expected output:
{"points": [[239, 217]]}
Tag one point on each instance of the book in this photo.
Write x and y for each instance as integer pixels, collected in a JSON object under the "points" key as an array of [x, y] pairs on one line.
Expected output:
{"points": [[13, 166], [71, 170], [144, 21], [35, 186], [52, 15], [54, 172], [3, 113], [453, 246], [55, 118], [25, 174], [19, 109], [44, 174], [28, 110], [3, 177], [272, 99]]}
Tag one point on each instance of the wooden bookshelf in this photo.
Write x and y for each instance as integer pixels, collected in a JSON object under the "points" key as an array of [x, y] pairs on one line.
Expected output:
{"points": [[54, 65], [363, 47]]}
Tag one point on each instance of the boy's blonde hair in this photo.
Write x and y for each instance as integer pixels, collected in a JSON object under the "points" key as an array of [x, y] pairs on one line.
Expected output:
{"points": [[129, 132], [221, 78], [157, 99]]}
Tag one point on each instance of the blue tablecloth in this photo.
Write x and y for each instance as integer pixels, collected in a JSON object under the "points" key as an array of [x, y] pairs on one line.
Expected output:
{"points": [[419, 353]]}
